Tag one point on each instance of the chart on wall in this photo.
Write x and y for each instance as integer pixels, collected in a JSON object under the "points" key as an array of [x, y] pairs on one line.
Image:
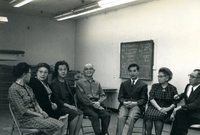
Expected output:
{"points": [[139, 52]]}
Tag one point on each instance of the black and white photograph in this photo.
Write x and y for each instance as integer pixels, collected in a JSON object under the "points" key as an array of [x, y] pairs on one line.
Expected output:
{"points": [[99, 67]]}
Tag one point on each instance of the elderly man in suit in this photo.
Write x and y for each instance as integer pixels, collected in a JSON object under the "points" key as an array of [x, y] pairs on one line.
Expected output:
{"points": [[132, 97], [186, 115]]}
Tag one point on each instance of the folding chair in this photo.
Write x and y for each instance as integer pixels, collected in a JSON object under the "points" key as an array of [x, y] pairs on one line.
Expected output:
{"points": [[64, 119], [142, 128], [86, 129], [195, 126], [22, 131]]}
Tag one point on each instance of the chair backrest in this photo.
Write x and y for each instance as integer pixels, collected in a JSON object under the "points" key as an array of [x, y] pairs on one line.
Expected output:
{"points": [[15, 121], [21, 130]]}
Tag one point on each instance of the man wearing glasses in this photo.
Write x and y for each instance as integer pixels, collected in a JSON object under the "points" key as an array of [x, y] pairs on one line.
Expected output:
{"points": [[91, 96], [186, 115]]}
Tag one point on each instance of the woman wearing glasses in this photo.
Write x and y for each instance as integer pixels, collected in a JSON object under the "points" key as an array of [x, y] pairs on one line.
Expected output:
{"points": [[64, 97], [161, 102], [42, 90], [26, 108]]}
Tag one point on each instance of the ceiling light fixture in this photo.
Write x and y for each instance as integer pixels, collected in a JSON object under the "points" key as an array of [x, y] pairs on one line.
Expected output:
{"points": [[78, 11], [3, 19], [79, 14], [112, 3], [96, 6], [19, 3]]}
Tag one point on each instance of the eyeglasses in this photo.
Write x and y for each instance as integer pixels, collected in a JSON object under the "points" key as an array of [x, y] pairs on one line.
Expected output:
{"points": [[89, 69], [161, 76], [191, 76]]}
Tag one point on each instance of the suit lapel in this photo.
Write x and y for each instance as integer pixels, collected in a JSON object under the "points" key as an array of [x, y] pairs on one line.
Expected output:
{"points": [[128, 85], [194, 93]]}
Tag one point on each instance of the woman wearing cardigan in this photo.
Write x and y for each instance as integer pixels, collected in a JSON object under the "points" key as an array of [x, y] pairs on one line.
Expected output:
{"points": [[64, 97]]}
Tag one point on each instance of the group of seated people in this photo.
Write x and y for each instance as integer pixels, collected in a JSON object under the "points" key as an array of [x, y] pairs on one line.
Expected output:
{"points": [[161, 104], [38, 104]]}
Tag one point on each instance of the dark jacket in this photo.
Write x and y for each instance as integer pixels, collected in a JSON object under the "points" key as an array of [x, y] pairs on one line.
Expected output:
{"points": [[59, 95], [192, 104], [138, 93], [42, 97]]}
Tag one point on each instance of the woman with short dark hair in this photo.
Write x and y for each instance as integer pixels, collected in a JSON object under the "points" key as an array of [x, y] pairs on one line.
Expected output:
{"points": [[64, 97], [26, 108], [161, 102]]}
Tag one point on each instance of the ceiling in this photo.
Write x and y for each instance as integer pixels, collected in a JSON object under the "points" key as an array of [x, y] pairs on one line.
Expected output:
{"points": [[50, 8]]}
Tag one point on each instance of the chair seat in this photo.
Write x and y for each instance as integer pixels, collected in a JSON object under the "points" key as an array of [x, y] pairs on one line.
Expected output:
{"points": [[195, 126], [85, 117], [20, 129], [27, 130], [83, 127], [87, 127]]}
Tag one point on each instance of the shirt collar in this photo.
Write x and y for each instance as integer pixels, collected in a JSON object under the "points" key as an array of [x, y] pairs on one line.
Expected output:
{"points": [[195, 87], [134, 81], [89, 80]]}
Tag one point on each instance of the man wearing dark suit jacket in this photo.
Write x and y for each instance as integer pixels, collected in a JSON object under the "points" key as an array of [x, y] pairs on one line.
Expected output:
{"points": [[188, 114], [132, 97]]}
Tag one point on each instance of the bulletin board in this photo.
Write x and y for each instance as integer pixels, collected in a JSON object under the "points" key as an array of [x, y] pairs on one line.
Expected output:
{"points": [[141, 53]]}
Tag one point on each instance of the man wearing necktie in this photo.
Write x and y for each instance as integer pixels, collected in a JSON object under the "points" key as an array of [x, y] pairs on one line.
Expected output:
{"points": [[132, 97], [186, 115]]}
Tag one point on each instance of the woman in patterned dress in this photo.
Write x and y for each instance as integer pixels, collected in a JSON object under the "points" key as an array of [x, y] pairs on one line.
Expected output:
{"points": [[26, 108], [161, 102]]}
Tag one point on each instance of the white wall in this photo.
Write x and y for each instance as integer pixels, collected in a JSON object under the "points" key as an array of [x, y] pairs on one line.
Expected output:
{"points": [[42, 39], [172, 24]]}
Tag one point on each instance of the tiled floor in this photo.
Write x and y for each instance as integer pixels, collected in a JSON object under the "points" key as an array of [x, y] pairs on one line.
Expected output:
{"points": [[6, 123]]}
